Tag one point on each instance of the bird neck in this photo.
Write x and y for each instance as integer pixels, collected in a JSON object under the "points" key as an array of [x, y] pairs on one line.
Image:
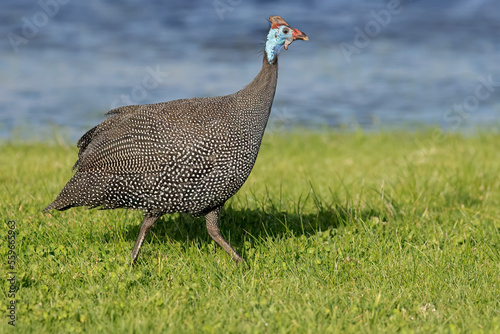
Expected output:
{"points": [[263, 86]]}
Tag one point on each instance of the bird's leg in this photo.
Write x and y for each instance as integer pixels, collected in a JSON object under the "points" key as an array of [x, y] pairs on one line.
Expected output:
{"points": [[147, 223], [213, 229]]}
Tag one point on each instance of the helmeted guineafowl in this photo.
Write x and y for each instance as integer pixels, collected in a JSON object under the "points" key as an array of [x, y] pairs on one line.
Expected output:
{"points": [[188, 155]]}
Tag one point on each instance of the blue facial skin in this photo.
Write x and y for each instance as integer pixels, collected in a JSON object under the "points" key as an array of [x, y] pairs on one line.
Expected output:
{"points": [[276, 40]]}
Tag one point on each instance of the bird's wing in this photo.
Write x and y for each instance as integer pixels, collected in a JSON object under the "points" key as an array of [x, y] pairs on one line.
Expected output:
{"points": [[132, 140], [141, 138], [87, 138], [125, 109]]}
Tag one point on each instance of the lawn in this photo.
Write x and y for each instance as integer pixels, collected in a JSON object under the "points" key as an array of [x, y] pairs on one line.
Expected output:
{"points": [[348, 232]]}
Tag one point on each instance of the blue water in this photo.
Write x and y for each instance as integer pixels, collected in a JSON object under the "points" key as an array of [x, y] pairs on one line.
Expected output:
{"points": [[64, 64]]}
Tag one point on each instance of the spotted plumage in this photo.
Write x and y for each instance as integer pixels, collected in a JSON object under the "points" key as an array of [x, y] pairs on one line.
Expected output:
{"points": [[188, 155]]}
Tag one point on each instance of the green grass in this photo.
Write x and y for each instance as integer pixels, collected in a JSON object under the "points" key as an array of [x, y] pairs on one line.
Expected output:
{"points": [[344, 232]]}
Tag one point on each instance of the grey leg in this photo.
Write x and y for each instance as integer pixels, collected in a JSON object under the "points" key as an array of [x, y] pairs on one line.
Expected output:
{"points": [[146, 226], [213, 229]]}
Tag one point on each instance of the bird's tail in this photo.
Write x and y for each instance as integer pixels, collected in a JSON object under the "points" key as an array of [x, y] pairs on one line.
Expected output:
{"points": [[75, 193], [57, 205], [62, 202]]}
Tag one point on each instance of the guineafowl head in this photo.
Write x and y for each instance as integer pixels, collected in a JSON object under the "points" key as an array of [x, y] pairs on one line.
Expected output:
{"points": [[280, 35]]}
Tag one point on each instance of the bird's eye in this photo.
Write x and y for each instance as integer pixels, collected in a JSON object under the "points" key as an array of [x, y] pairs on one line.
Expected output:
{"points": [[286, 31]]}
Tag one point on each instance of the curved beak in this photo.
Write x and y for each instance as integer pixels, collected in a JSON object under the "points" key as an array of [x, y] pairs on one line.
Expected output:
{"points": [[296, 34]]}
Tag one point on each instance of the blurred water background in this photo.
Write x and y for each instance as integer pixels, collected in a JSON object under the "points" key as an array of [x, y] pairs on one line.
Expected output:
{"points": [[370, 64]]}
